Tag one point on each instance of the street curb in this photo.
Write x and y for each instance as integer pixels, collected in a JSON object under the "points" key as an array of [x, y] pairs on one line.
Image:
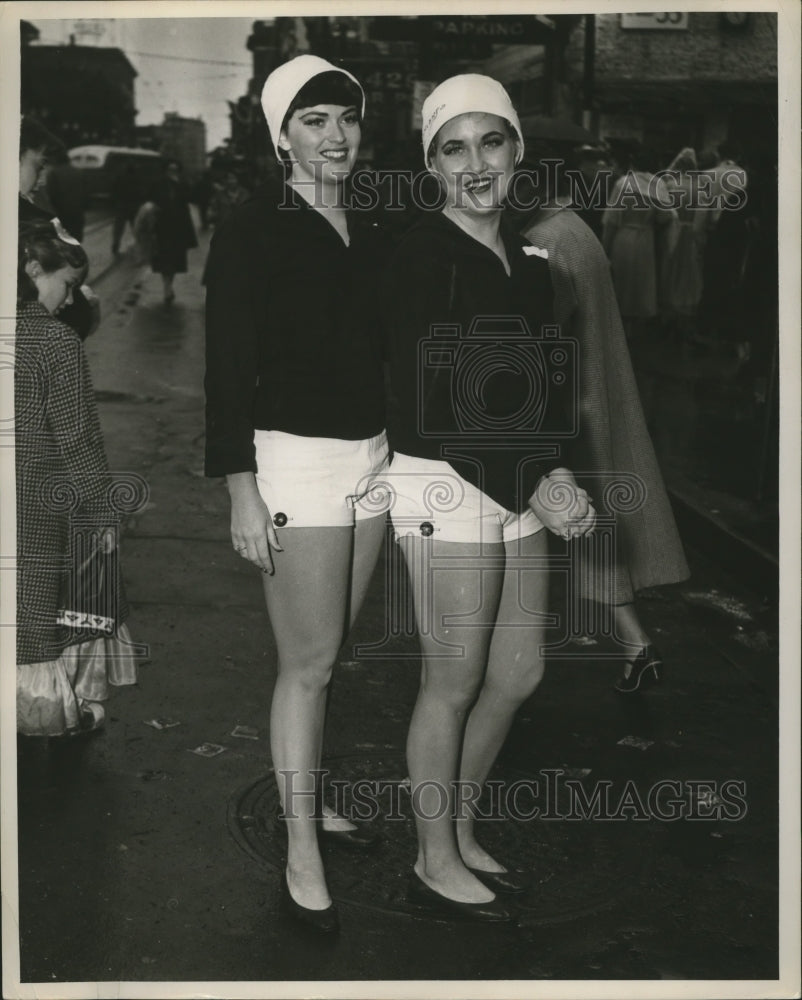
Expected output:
{"points": [[754, 566]]}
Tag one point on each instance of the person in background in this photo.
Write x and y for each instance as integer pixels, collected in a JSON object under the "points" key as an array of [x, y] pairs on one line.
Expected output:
{"points": [[227, 195], [174, 233], [36, 146], [613, 441], [202, 193], [66, 192], [126, 197], [682, 264], [62, 673], [723, 300], [638, 208]]}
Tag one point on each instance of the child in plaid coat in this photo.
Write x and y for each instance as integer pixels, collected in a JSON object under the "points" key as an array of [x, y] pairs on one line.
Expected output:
{"points": [[61, 471]]}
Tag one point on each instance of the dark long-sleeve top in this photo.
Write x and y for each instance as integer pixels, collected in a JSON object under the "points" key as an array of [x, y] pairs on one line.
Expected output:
{"points": [[478, 375], [292, 339]]}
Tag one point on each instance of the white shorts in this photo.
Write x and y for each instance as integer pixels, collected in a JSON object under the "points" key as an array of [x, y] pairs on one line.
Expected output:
{"points": [[311, 482], [429, 498]]}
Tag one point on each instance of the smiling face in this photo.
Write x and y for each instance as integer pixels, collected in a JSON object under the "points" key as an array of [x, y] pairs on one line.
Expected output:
{"points": [[474, 157], [55, 288], [323, 141]]}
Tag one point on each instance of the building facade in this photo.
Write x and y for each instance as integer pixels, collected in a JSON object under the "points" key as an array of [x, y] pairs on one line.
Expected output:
{"points": [[184, 139], [673, 80], [83, 94]]}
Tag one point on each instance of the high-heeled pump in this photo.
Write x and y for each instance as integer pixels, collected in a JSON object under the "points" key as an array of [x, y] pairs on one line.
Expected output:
{"points": [[325, 921], [647, 669], [421, 894], [510, 883]]}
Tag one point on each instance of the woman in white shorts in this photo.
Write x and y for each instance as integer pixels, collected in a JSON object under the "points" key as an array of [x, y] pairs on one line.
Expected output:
{"points": [[480, 419], [295, 422]]}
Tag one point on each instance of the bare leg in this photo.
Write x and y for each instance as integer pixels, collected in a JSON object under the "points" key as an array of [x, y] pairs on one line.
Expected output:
{"points": [[320, 582], [368, 538], [515, 668], [629, 632], [448, 687]]}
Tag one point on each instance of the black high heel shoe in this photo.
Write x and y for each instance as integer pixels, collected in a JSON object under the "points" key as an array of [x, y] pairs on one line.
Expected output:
{"points": [[421, 894], [325, 921], [511, 883], [647, 669]]}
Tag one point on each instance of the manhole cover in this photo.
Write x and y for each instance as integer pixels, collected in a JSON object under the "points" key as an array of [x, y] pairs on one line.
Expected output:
{"points": [[578, 866]]}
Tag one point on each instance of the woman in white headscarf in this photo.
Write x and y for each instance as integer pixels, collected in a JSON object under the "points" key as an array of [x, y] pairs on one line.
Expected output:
{"points": [[477, 422], [295, 423]]}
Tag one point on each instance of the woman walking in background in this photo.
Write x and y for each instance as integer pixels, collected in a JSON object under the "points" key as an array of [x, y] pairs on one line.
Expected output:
{"points": [[173, 231]]}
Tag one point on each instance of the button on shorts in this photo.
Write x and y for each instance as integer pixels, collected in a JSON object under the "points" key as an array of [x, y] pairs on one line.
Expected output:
{"points": [[430, 499], [311, 482]]}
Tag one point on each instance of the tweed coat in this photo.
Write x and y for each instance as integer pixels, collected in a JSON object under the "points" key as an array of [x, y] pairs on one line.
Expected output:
{"points": [[614, 441], [61, 473]]}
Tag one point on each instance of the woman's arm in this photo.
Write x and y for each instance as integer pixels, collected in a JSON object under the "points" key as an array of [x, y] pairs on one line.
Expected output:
{"points": [[233, 282]]}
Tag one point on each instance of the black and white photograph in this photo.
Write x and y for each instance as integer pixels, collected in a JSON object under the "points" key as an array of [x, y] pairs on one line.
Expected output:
{"points": [[511, 707]]}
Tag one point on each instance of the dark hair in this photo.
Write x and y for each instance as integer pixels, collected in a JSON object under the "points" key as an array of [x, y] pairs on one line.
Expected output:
{"points": [[39, 241], [331, 87], [33, 135]]}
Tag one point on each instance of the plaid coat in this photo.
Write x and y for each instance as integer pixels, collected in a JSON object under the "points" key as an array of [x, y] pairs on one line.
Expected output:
{"points": [[614, 441], [61, 471]]}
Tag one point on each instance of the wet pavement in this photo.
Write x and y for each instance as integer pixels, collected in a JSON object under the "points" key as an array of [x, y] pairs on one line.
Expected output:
{"points": [[141, 861]]}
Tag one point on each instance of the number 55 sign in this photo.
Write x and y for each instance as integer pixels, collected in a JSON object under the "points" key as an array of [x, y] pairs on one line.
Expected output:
{"points": [[656, 22]]}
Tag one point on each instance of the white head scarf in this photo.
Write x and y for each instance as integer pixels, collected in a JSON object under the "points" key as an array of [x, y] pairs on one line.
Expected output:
{"points": [[461, 94], [284, 83]]}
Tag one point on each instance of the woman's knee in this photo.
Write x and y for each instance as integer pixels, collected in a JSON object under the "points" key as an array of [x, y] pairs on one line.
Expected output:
{"points": [[516, 683], [455, 695], [310, 667]]}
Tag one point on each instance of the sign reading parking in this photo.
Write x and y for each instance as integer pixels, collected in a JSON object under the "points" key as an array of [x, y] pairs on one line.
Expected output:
{"points": [[672, 21]]}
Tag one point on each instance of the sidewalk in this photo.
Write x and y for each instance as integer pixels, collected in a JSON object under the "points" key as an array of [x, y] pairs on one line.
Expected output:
{"points": [[141, 861]]}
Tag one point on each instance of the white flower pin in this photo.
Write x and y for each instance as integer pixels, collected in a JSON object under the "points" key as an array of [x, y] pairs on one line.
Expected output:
{"points": [[62, 233], [536, 252]]}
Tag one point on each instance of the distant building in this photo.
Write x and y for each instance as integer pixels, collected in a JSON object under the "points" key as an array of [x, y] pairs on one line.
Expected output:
{"points": [[83, 94], [682, 79], [184, 139]]}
